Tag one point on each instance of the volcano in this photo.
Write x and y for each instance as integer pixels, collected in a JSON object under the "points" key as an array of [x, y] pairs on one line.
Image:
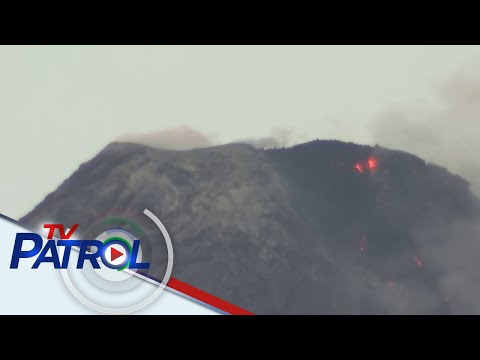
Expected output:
{"points": [[325, 227]]}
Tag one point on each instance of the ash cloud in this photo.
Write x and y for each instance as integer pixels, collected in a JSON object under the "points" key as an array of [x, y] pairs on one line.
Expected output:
{"points": [[443, 129], [278, 138], [178, 138], [187, 138]]}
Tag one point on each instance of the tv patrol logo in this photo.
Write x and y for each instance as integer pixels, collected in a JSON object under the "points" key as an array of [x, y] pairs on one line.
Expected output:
{"points": [[115, 252], [107, 268]]}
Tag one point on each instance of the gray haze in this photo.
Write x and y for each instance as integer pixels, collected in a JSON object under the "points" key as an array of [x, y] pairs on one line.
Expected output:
{"points": [[60, 105], [444, 129]]}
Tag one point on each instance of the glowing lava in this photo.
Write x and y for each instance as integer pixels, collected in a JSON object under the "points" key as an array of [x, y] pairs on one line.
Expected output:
{"points": [[372, 163], [418, 261], [359, 167]]}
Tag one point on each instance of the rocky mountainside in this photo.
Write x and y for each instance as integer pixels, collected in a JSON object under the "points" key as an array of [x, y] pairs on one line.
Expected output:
{"points": [[322, 227]]}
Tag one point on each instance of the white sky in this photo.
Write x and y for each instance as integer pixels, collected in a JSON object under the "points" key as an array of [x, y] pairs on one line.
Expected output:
{"points": [[59, 106]]}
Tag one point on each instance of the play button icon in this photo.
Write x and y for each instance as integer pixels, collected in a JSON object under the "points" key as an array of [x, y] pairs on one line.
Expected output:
{"points": [[115, 254]]}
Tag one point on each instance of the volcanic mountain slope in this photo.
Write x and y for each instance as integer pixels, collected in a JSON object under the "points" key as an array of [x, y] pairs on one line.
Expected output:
{"points": [[322, 227]]}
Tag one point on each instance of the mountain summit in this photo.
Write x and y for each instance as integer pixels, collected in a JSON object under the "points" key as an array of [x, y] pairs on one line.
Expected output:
{"points": [[321, 227]]}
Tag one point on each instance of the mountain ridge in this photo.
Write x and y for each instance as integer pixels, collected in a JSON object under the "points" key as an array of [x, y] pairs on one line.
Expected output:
{"points": [[320, 227]]}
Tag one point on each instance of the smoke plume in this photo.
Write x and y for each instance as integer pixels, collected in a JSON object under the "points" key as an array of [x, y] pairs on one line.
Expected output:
{"points": [[443, 129], [278, 138], [178, 138], [187, 138]]}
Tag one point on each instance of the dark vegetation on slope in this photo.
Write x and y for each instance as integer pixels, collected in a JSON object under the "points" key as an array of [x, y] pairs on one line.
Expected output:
{"points": [[321, 227]]}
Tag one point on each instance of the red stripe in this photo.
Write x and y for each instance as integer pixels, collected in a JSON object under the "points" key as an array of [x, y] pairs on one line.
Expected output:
{"points": [[206, 297]]}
